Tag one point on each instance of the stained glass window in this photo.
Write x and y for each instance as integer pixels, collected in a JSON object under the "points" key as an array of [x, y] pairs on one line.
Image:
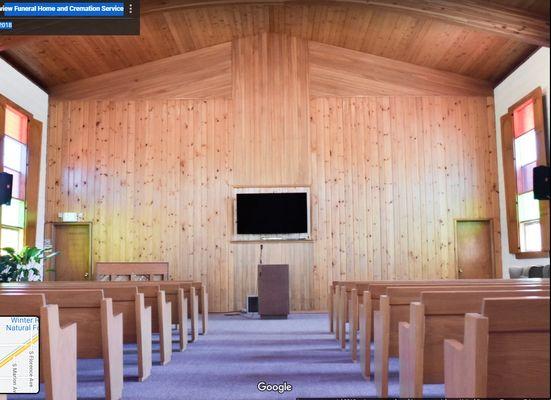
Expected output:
{"points": [[523, 118], [16, 125], [526, 156], [14, 151]]}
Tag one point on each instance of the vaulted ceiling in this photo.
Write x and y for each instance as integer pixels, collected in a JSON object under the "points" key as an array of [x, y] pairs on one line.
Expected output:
{"points": [[476, 38]]}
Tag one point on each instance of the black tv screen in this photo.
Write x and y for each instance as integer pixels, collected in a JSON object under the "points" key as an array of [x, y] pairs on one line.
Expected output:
{"points": [[272, 213]]}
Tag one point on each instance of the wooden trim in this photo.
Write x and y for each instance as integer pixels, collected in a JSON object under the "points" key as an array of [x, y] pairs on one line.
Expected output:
{"points": [[2, 126], [532, 254], [485, 16], [509, 173], [532, 95], [5, 101], [509, 176], [34, 146]]}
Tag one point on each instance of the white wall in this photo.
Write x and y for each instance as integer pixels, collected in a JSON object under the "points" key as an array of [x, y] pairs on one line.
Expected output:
{"points": [[533, 73], [27, 95]]}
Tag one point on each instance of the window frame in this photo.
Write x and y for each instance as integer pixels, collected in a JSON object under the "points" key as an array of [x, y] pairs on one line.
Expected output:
{"points": [[4, 103], [510, 175]]}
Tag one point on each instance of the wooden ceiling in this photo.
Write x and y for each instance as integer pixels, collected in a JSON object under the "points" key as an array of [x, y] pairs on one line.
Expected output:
{"points": [[479, 39]]}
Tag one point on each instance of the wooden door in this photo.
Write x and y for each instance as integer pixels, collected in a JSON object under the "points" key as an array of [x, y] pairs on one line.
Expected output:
{"points": [[73, 241], [474, 249]]}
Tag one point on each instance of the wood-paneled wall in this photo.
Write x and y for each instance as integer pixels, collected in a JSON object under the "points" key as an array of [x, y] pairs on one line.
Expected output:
{"points": [[388, 175]]}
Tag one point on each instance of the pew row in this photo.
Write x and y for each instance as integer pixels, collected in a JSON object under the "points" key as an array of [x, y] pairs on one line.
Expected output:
{"points": [[375, 290], [126, 300], [345, 307], [393, 309], [99, 330], [58, 344], [158, 272], [188, 302], [504, 353], [438, 316]]}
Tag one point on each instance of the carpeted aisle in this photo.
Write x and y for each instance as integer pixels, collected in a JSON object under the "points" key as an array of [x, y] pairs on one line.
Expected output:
{"points": [[237, 353]]}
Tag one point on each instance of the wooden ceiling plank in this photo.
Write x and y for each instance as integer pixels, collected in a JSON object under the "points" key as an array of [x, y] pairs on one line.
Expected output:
{"points": [[198, 74], [487, 16], [341, 72], [490, 16], [374, 30]]}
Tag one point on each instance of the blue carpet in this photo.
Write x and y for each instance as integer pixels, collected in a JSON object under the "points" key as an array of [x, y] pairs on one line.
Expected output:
{"points": [[236, 354]]}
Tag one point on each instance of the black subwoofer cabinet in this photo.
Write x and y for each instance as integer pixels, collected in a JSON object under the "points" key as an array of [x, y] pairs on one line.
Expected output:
{"points": [[273, 291]]}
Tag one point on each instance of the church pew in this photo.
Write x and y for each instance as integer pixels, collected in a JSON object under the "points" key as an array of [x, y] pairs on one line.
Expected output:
{"points": [[128, 271], [332, 303], [393, 309], [189, 308], [161, 318], [176, 295], [198, 303], [136, 323], [137, 316], [438, 316], [345, 307], [504, 353], [99, 330], [354, 299], [58, 344], [178, 303]]}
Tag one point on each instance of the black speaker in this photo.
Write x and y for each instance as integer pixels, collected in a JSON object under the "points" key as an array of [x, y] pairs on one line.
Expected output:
{"points": [[541, 183], [6, 181]]}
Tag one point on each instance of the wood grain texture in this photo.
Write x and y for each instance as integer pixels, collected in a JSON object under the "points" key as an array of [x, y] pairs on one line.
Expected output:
{"points": [[34, 146], [409, 37], [505, 351], [388, 175], [196, 74], [343, 72], [487, 16]]}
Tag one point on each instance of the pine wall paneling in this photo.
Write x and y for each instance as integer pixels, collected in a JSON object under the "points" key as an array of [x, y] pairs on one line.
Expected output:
{"points": [[388, 175]]}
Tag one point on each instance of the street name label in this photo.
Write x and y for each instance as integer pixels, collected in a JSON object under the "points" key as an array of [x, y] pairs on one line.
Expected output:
{"points": [[19, 354]]}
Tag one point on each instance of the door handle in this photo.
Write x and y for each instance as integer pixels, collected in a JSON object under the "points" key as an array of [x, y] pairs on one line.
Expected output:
{"points": [[460, 270], [86, 275]]}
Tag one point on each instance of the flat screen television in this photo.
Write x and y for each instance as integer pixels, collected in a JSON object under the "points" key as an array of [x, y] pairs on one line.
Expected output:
{"points": [[272, 213]]}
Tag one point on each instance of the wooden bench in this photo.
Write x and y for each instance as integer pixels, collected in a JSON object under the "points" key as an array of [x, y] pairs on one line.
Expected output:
{"points": [[136, 323], [393, 309], [58, 345], [348, 296], [505, 351], [161, 318], [126, 301], [437, 316], [176, 295], [332, 301], [368, 305], [149, 271], [116, 271], [99, 330], [189, 301]]}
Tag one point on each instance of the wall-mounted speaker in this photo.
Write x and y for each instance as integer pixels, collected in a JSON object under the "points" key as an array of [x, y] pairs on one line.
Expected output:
{"points": [[6, 182], [541, 183]]}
